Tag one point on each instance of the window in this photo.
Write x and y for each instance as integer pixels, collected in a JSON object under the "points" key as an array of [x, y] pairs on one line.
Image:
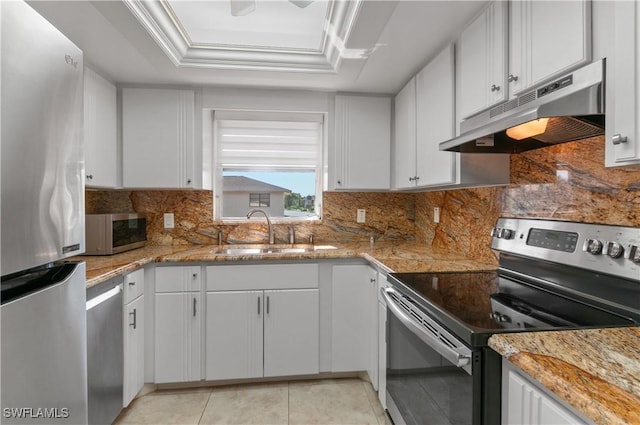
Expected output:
{"points": [[274, 159], [259, 199]]}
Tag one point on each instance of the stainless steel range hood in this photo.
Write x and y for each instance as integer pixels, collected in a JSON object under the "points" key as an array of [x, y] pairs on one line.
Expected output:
{"points": [[573, 104]]}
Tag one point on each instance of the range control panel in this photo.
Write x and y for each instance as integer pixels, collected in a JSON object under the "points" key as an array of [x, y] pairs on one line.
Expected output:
{"points": [[601, 248]]}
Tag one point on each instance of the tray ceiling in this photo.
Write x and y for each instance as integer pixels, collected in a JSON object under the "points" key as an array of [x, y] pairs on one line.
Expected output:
{"points": [[275, 35]]}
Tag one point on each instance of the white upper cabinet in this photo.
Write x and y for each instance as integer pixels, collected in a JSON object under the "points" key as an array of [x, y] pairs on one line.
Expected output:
{"points": [[361, 143], [158, 142], [483, 58], [435, 121], [623, 87], [405, 136], [100, 143], [546, 38]]}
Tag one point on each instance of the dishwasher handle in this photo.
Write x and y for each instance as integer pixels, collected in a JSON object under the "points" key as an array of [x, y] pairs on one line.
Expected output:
{"points": [[104, 297], [453, 355]]}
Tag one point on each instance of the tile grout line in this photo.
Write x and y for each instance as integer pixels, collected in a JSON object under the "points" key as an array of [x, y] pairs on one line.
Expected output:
{"points": [[288, 402], [205, 407], [371, 406]]}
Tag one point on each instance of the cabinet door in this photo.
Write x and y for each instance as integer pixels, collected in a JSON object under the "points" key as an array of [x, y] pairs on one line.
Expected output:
{"points": [[158, 138], [623, 88], [291, 332], [133, 321], [177, 337], [100, 143], [482, 55], [547, 39], [526, 404], [435, 120], [362, 157], [382, 354], [234, 330], [405, 136], [351, 318]]}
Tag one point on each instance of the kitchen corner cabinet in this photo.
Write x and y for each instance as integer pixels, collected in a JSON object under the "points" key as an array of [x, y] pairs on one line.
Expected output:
{"points": [[158, 140], [361, 143], [425, 117], [526, 402], [100, 143], [178, 324], [262, 321], [622, 144], [435, 121], [134, 328], [482, 50], [354, 331]]}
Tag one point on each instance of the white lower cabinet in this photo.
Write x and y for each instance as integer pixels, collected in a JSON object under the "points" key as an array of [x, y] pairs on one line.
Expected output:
{"points": [[251, 334], [133, 342], [382, 343], [262, 321], [525, 403], [354, 336], [133, 321], [178, 325]]}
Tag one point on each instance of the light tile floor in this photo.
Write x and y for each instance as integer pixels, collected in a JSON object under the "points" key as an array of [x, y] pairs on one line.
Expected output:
{"points": [[328, 401]]}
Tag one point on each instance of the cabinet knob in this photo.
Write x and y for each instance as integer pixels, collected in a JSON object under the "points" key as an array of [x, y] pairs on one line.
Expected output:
{"points": [[511, 78], [618, 139], [339, 182], [132, 283], [495, 88], [188, 181], [89, 176]]}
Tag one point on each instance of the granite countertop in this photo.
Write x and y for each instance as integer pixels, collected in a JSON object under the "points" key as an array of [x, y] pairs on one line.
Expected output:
{"points": [[596, 371], [388, 256]]}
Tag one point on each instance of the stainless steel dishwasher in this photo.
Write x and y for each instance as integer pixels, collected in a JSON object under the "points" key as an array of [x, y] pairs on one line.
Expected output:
{"points": [[105, 363]]}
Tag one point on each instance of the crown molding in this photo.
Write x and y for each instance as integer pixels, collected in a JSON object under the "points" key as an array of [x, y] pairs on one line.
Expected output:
{"points": [[167, 32]]}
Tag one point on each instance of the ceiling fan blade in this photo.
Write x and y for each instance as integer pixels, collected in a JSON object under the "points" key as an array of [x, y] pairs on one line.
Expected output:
{"points": [[301, 3], [242, 7]]}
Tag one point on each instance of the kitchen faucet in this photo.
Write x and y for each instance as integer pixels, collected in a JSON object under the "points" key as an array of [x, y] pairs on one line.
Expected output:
{"points": [[258, 210]]}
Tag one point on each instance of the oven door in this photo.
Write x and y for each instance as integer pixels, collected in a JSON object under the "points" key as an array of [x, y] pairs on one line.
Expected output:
{"points": [[432, 377]]}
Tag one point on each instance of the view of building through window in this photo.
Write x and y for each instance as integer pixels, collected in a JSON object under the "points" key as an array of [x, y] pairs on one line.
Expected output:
{"points": [[280, 194]]}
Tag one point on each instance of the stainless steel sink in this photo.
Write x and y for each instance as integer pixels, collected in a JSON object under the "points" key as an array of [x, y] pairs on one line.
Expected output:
{"points": [[266, 249]]}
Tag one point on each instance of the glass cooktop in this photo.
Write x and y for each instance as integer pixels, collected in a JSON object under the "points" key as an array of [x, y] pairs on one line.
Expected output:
{"points": [[475, 305]]}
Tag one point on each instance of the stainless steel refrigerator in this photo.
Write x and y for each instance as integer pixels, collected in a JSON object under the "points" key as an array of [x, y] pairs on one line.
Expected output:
{"points": [[43, 318]]}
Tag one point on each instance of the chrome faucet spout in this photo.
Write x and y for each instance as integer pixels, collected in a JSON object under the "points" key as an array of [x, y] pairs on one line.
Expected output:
{"points": [[269, 228]]}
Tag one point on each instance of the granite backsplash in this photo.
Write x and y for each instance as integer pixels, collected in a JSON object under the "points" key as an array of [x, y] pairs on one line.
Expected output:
{"points": [[567, 181]]}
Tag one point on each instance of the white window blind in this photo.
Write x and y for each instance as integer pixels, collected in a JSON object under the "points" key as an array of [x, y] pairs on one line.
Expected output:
{"points": [[267, 143]]}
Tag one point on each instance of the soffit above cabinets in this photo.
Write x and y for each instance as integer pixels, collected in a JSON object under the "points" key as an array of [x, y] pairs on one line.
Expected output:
{"points": [[273, 35], [371, 46]]}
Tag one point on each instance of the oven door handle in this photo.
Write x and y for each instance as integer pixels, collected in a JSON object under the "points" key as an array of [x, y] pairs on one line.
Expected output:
{"points": [[449, 353]]}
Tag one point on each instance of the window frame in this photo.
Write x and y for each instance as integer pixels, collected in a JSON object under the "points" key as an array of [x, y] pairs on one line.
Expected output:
{"points": [[321, 173]]}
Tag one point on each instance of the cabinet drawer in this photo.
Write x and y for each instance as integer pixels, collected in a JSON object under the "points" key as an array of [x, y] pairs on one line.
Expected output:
{"points": [[133, 285], [178, 279], [258, 277]]}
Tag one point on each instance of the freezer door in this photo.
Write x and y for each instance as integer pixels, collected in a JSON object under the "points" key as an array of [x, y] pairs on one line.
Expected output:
{"points": [[44, 352], [42, 154]]}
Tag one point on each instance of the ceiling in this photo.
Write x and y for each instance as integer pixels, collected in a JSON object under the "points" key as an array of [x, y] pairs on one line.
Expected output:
{"points": [[368, 46]]}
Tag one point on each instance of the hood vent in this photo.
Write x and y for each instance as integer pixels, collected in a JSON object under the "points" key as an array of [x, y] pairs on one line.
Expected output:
{"points": [[571, 107]]}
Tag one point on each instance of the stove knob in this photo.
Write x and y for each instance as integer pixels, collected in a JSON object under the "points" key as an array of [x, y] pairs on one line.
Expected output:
{"points": [[613, 249], [494, 232], [633, 253], [592, 246], [505, 233], [500, 318]]}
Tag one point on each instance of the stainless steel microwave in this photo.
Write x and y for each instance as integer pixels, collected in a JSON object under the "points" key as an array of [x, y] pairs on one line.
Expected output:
{"points": [[108, 234]]}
